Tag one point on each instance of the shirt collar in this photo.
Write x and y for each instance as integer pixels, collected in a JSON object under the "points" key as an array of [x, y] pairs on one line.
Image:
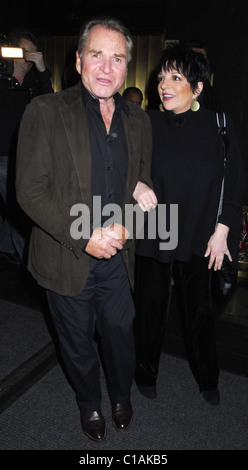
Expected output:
{"points": [[89, 100]]}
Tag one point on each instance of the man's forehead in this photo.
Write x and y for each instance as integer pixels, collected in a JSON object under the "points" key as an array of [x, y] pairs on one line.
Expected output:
{"points": [[27, 45], [99, 36]]}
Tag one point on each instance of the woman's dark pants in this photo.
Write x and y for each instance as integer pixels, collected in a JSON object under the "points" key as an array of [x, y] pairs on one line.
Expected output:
{"points": [[153, 282]]}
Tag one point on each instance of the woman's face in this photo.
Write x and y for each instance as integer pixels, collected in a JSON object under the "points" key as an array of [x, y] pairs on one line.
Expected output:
{"points": [[175, 91]]}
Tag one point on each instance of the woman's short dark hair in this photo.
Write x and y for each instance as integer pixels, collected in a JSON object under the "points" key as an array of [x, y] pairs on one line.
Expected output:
{"points": [[193, 65]]}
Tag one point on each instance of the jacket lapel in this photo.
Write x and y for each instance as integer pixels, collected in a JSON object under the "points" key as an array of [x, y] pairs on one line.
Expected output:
{"points": [[76, 129]]}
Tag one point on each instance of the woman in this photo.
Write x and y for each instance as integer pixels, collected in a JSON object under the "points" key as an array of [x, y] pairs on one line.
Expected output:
{"points": [[187, 170]]}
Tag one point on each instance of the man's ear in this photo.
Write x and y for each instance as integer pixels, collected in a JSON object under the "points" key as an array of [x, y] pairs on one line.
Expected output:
{"points": [[78, 63]]}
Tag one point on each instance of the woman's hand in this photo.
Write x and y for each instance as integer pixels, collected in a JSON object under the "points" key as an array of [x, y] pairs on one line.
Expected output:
{"points": [[145, 197], [217, 247]]}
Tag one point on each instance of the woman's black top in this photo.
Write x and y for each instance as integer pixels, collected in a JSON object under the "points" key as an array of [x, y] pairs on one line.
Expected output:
{"points": [[187, 170]]}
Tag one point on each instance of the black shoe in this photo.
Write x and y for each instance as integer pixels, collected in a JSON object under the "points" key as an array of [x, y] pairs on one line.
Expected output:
{"points": [[93, 424], [148, 391], [122, 415], [212, 396]]}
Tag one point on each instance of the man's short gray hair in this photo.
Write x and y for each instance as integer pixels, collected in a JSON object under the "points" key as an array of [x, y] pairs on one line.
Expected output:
{"points": [[108, 23]]}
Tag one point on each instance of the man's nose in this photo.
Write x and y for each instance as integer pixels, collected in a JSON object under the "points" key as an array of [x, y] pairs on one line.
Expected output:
{"points": [[106, 65]]}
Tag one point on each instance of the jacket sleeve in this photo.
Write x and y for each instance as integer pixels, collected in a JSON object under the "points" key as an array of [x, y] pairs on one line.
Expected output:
{"points": [[38, 175], [139, 140], [45, 85], [146, 156]]}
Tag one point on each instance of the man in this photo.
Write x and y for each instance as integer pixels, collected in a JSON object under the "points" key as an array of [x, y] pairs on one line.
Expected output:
{"points": [[31, 71], [28, 78], [84, 142], [134, 95]]}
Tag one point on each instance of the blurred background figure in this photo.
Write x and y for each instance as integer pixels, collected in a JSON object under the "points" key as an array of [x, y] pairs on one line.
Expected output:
{"points": [[20, 81], [134, 95]]}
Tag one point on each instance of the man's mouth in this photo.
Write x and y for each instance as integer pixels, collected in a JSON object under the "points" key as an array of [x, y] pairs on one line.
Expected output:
{"points": [[104, 81]]}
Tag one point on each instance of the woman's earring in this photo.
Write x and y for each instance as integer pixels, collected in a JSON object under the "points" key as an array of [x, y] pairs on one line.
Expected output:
{"points": [[195, 105]]}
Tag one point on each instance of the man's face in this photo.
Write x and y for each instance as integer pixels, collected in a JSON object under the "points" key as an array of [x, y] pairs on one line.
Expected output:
{"points": [[103, 65], [134, 97], [21, 65]]}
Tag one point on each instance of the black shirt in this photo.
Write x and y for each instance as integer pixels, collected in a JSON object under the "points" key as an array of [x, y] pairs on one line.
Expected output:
{"points": [[187, 170], [109, 154]]}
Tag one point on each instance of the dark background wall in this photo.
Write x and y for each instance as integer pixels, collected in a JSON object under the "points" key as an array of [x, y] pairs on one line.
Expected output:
{"points": [[222, 25]]}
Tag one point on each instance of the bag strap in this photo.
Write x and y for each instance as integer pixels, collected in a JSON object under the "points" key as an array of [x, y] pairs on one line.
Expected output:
{"points": [[221, 123]]}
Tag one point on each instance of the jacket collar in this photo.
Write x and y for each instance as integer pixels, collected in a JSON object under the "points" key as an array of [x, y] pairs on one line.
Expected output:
{"points": [[88, 100]]}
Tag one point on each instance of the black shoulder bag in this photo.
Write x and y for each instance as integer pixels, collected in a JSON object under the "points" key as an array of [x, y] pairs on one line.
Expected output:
{"points": [[224, 280]]}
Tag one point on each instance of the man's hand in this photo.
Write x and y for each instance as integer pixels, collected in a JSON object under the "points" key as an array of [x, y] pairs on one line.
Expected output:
{"points": [[37, 58], [105, 242], [118, 232], [145, 197]]}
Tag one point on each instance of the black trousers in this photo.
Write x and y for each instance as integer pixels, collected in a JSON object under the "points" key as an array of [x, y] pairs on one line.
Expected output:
{"points": [[152, 300], [105, 305]]}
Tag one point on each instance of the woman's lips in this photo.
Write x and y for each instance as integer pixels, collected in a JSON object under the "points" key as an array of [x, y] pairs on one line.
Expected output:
{"points": [[167, 96]]}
